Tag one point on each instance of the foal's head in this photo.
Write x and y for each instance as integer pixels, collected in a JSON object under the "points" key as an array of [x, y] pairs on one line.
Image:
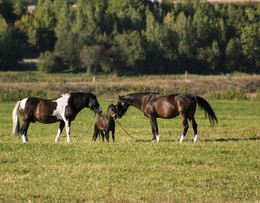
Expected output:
{"points": [[93, 104], [122, 107], [111, 110]]}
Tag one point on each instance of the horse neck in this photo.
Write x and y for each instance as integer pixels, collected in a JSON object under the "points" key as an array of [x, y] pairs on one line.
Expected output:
{"points": [[134, 100], [110, 118], [79, 102]]}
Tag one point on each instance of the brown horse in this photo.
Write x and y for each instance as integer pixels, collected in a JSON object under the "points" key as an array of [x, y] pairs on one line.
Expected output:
{"points": [[63, 110], [106, 123], [160, 106]]}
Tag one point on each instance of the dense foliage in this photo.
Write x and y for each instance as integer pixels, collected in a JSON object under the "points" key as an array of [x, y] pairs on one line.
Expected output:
{"points": [[132, 36]]}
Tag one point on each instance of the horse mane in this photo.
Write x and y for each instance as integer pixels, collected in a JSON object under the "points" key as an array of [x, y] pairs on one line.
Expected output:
{"points": [[143, 93]]}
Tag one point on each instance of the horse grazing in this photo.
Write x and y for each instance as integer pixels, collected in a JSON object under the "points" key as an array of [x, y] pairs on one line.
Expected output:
{"points": [[161, 106], [63, 110], [105, 123]]}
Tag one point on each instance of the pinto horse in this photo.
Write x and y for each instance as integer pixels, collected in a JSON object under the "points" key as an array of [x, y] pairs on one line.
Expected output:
{"points": [[63, 110], [106, 123], [160, 106]]}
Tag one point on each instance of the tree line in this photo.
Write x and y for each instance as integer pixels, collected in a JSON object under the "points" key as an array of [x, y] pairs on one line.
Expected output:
{"points": [[131, 36]]}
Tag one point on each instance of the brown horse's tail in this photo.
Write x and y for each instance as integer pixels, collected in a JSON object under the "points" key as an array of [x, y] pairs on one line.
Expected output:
{"points": [[207, 108]]}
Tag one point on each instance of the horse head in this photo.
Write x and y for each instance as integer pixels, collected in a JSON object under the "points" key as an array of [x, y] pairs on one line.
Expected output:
{"points": [[121, 107], [111, 110], [93, 104]]}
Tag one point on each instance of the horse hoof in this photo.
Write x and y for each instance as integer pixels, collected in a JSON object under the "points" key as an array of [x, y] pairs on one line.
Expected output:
{"points": [[195, 138], [181, 139]]}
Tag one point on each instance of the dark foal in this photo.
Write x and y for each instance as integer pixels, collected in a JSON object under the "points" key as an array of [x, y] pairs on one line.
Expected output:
{"points": [[105, 123]]}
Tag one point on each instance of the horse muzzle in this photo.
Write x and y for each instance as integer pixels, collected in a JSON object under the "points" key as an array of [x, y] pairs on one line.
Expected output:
{"points": [[117, 116], [99, 110], [113, 115]]}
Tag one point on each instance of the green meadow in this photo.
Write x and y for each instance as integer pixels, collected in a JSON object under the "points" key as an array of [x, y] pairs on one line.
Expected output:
{"points": [[224, 165]]}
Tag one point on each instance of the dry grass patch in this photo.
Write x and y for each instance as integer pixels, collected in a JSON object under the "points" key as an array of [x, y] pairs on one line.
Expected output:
{"points": [[109, 86]]}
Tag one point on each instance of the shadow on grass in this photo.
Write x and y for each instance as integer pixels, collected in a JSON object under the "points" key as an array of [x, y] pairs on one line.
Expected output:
{"points": [[207, 140], [232, 139], [161, 140]]}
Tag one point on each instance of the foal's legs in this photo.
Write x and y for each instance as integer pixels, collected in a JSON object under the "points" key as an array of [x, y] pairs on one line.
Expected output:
{"points": [[24, 129], [96, 133], [107, 135], [102, 134], [62, 124], [113, 135], [154, 125]]}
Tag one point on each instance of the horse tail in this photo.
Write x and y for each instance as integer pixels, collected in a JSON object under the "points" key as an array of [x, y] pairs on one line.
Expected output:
{"points": [[16, 124], [202, 103]]}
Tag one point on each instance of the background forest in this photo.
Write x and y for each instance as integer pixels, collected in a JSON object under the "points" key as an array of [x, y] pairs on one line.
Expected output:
{"points": [[131, 36]]}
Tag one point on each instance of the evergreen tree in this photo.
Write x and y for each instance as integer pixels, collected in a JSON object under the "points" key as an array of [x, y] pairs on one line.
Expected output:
{"points": [[250, 39]]}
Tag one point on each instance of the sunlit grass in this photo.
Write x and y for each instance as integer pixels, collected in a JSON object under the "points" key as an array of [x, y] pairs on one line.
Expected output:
{"points": [[222, 166]]}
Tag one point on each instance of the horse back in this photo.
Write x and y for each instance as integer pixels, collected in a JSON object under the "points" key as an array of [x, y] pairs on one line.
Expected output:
{"points": [[105, 122], [170, 106]]}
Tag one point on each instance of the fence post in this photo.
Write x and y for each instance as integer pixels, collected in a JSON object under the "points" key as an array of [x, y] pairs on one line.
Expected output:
{"points": [[186, 75]]}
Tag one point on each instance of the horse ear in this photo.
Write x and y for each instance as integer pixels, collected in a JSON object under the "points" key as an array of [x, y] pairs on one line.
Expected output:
{"points": [[119, 97]]}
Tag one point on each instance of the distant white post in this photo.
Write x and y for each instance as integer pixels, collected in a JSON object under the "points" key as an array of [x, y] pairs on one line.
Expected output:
{"points": [[186, 75], [94, 79]]}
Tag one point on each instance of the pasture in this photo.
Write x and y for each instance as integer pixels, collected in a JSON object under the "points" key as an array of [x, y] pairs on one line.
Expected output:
{"points": [[224, 165]]}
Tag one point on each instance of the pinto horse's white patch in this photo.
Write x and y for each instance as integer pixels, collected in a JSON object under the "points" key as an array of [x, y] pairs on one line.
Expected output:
{"points": [[23, 103], [62, 102]]}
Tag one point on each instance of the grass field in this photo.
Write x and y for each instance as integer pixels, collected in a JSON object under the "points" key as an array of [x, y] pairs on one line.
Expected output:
{"points": [[223, 166]]}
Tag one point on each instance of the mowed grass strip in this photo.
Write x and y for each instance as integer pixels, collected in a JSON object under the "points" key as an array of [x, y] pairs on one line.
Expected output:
{"points": [[222, 166]]}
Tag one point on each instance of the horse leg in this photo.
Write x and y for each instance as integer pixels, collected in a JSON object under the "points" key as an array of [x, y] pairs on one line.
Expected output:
{"points": [[185, 127], [107, 135], [102, 134], [62, 124], [24, 129], [96, 133], [154, 125], [113, 135], [194, 125], [67, 123]]}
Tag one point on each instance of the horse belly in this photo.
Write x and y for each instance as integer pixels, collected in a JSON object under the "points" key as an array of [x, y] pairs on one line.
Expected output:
{"points": [[164, 111], [44, 112], [49, 119], [101, 124], [45, 117], [169, 114]]}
